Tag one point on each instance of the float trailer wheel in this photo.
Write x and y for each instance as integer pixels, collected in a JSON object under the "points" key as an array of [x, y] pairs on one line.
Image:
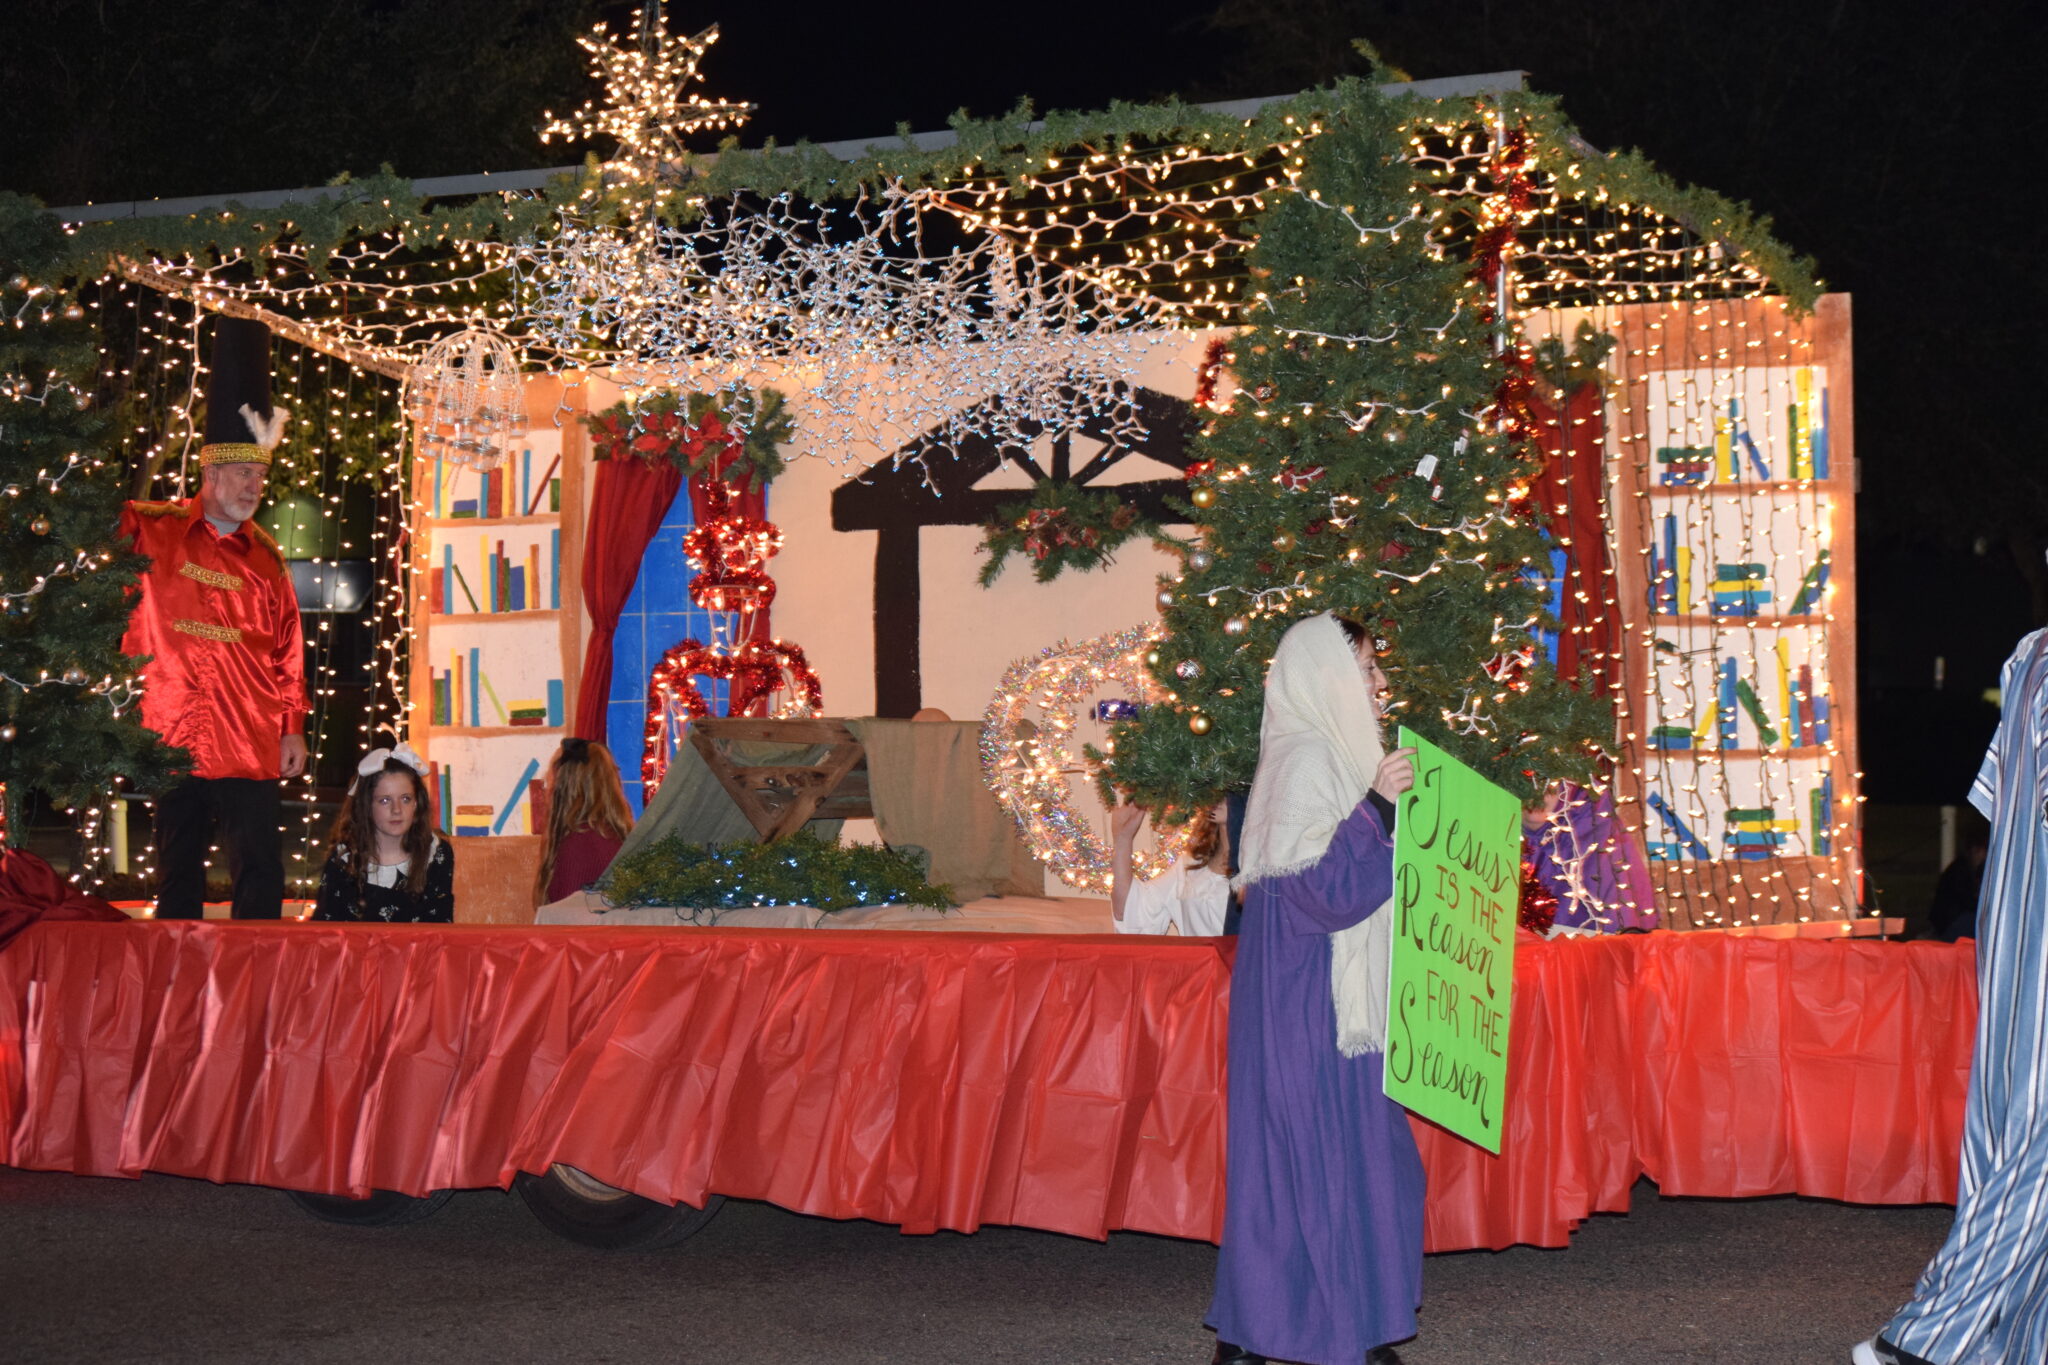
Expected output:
{"points": [[383, 1209], [586, 1210]]}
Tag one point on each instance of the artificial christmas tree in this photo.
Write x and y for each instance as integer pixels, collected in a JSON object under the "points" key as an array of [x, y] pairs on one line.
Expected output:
{"points": [[1367, 465], [69, 726]]}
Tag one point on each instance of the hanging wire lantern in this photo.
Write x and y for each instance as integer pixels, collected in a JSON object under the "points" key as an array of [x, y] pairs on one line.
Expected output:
{"points": [[466, 400]]}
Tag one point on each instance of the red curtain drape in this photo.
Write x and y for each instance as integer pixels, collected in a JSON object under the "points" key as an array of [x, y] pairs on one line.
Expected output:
{"points": [[1571, 490], [628, 499]]}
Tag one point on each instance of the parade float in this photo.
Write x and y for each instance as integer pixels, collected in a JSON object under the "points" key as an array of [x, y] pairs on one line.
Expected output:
{"points": [[692, 453]]}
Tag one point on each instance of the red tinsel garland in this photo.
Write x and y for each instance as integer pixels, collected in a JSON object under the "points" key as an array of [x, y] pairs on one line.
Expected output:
{"points": [[730, 550], [754, 671], [1538, 910], [1211, 371]]}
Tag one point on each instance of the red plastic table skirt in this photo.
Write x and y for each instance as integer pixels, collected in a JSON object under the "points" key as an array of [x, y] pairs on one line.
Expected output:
{"points": [[943, 1080]]}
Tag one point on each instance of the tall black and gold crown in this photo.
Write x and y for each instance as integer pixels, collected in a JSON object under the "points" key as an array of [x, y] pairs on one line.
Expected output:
{"points": [[241, 425]]}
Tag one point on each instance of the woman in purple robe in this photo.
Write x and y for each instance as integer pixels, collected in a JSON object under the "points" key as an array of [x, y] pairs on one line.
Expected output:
{"points": [[1322, 1225]]}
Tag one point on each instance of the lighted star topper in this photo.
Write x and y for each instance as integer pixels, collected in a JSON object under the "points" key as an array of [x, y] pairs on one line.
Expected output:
{"points": [[644, 107]]}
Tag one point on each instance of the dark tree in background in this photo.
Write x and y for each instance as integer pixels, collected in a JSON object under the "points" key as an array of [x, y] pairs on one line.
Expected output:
{"points": [[117, 99]]}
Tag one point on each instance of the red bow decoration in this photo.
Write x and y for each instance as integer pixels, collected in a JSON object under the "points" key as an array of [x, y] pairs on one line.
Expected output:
{"points": [[753, 672]]}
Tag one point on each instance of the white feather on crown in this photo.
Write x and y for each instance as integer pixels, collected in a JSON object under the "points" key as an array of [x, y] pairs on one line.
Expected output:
{"points": [[269, 433]]}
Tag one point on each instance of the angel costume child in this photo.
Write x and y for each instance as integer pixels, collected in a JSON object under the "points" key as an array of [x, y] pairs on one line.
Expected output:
{"points": [[1321, 1259], [1192, 896]]}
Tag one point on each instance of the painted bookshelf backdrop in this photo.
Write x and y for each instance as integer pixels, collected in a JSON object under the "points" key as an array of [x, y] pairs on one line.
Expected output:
{"points": [[497, 621], [1733, 516]]}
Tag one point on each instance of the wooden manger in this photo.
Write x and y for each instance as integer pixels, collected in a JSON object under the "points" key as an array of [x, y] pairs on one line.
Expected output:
{"points": [[778, 799]]}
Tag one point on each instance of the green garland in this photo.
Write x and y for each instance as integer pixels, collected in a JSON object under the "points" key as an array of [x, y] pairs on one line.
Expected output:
{"points": [[1061, 526], [800, 870], [691, 431], [1011, 148], [1015, 147]]}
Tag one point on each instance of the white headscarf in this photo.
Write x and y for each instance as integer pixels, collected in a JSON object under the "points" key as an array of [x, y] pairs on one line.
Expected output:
{"points": [[1319, 749]]}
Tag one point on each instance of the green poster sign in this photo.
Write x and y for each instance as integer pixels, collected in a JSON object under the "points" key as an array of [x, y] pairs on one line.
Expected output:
{"points": [[1457, 887]]}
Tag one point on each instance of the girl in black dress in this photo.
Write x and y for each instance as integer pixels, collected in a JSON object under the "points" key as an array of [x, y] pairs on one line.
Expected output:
{"points": [[386, 863]]}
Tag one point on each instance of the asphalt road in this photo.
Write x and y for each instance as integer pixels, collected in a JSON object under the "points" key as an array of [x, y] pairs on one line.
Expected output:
{"points": [[169, 1270]]}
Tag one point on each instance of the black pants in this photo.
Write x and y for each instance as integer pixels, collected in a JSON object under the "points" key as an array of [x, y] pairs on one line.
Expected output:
{"points": [[247, 809]]}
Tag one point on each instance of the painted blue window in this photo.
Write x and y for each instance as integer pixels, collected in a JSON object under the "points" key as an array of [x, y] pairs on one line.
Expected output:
{"points": [[1552, 585], [658, 616]]}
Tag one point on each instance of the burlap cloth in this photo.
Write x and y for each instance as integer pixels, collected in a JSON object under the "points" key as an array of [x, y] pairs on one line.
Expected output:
{"points": [[925, 781]]}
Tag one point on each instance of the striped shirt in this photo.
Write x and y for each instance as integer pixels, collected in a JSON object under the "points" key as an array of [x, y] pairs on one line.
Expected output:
{"points": [[1981, 1299]]}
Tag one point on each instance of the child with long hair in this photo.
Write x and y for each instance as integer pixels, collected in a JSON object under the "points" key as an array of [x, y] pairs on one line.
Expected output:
{"points": [[385, 861], [588, 819], [1193, 895]]}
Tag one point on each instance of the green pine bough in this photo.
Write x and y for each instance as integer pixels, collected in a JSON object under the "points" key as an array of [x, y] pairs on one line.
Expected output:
{"points": [[1361, 469], [692, 430], [1061, 526], [800, 870]]}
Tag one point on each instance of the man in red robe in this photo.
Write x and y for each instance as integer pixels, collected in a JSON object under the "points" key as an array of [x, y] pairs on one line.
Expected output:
{"points": [[219, 620]]}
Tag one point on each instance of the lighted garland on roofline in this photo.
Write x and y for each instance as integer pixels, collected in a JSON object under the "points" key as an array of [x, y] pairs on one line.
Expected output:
{"points": [[1062, 525], [382, 296], [800, 870], [1012, 151]]}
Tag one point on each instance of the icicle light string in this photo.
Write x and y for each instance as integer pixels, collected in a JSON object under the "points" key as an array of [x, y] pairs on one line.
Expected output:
{"points": [[901, 351]]}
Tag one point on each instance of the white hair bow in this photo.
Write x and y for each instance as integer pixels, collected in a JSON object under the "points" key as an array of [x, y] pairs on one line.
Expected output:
{"points": [[373, 761]]}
